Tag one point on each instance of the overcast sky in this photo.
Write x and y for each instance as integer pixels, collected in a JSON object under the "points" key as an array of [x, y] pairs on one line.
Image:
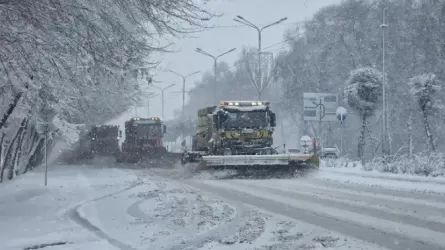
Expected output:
{"points": [[226, 35]]}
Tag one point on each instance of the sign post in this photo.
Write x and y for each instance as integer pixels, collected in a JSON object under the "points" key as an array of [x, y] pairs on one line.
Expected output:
{"points": [[341, 114], [46, 153], [45, 158], [320, 107], [312, 110]]}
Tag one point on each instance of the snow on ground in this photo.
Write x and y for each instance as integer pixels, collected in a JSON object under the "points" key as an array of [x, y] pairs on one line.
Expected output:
{"points": [[358, 176], [395, 220], [159, 215], [33, 215], [168, 215], [261, 230], [94, 207], [357, 171], [99, 206]]}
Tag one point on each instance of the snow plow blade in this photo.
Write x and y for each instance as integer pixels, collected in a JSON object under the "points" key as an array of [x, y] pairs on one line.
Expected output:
{"points": [[245, 161], [155, 158]]}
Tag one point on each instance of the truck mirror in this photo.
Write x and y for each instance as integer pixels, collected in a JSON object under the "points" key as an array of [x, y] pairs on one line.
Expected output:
{"points": [[164, 129], [273, 121]]}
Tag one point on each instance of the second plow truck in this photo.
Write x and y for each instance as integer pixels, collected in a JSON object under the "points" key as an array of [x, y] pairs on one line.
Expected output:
{"points": [[104, 140], [238, 135], [143, 140]]}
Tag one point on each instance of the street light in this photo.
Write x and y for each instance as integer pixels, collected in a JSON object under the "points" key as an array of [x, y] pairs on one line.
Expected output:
{"points": [[148, 103], [162, 95], [242, 20], [183, 86], [215, 58], [183, 92], [385, 133]]}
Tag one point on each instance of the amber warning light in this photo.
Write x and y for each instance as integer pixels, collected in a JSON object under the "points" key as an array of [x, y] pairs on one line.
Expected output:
{"points": [[243, 103], [151, 119]]}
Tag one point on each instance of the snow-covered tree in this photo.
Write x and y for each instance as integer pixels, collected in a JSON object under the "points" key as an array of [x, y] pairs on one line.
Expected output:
{"points": [[363, 89], [423, 87], [76, 63]]}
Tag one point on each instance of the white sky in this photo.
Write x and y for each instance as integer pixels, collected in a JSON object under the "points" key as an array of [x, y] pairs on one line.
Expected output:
{"points": [[227, 34]]}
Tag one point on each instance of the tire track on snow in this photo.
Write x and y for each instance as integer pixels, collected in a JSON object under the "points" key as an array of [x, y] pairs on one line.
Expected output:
{"points": [[195, 241], [360, 226], [367, 209], [74, 214]]}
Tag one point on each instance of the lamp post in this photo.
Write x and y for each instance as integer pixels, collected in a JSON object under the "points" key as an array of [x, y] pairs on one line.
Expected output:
{"points": [[385, 134], [242, 20], [148, 103], [341, 114], [215, 65], [183, 94], [162, 95]]}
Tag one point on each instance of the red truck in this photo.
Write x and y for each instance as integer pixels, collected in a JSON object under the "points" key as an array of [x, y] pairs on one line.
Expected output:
{"points": [[143, 139]]}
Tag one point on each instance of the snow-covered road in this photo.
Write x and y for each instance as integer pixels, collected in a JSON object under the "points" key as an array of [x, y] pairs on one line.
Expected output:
{"points": [[109, 208], [392, 221], [396, 212]]}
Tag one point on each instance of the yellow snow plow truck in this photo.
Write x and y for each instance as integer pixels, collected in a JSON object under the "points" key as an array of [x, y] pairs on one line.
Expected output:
{"points": [[238, 135]]}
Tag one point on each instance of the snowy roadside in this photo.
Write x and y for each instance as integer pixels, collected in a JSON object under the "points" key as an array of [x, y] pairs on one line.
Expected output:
{"points": [[35, 216], [389, 181], [422, 165]]}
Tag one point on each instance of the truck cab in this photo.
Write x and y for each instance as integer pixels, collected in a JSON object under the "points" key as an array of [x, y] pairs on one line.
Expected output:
{"points": [[236, 128], [104, 139], [142, 134]]}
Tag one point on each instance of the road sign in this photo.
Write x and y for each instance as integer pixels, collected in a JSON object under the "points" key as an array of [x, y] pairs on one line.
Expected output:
{"points": [[320, 104], [341, 114]]}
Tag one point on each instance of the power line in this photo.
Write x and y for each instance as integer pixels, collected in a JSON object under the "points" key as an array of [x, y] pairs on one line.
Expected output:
{"points": [[280, 49], [284, 41], [281, 43]]}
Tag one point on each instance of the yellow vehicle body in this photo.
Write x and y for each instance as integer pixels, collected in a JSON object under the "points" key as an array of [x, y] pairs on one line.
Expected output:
{"points": [[237, 134]]}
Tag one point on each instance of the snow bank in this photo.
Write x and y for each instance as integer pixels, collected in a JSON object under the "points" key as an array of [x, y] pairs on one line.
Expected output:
{"points": [[386, 180], [432, 164]]}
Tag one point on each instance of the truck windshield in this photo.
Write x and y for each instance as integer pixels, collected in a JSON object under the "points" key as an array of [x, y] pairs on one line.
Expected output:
{"points": [[105, 132], [246, 119], [149, 129]]}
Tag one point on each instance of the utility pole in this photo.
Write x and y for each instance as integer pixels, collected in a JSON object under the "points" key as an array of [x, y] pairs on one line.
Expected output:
{"points": [[384, 116], [215, 65], [162, 96], [242, 20], [183, 97]]}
